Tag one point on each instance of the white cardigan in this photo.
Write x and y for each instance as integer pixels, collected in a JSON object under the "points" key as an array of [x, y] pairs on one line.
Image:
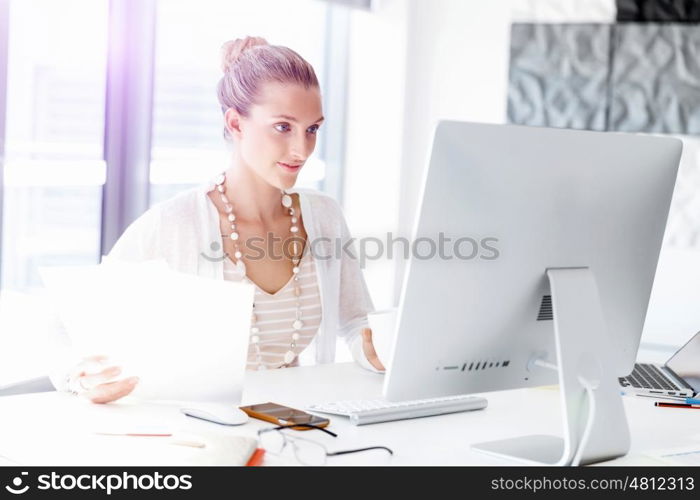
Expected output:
{"points": [[182, 230]]}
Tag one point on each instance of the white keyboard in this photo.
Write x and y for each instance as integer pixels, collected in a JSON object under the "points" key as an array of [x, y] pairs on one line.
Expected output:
{"points": [[371, 411]]}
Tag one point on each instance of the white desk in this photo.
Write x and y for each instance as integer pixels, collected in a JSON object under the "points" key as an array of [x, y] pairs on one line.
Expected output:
{"points": [[56, 429]]}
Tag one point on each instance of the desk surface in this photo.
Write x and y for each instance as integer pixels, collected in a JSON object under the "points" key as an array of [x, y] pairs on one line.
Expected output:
{"points": [[58, 429]]}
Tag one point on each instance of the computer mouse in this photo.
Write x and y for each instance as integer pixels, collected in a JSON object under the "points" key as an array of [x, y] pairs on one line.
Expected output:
{"points": [[218, 413]]}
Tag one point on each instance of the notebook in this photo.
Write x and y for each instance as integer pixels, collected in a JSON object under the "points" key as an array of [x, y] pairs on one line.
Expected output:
{"points": [[218, 449]]}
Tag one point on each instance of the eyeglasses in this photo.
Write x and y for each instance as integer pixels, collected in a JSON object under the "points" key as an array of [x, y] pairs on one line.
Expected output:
{"points": [[306, 451]]}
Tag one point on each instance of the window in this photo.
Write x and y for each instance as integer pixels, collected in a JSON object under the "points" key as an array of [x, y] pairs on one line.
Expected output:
{"points": [[54, 168]]}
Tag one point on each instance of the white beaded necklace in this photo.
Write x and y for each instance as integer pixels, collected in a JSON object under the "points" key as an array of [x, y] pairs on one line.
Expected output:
{"points": [[297, 324]]}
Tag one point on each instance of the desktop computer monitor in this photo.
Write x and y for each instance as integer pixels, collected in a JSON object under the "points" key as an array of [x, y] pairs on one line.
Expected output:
{"points": [[521, 233]]}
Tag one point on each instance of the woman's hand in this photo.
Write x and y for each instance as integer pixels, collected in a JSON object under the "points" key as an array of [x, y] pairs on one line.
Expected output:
{"points": [[92, 379], [368, 349]]}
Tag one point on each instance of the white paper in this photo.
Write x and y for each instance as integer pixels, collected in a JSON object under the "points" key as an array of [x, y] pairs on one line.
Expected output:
{"points": [[185, 337]]}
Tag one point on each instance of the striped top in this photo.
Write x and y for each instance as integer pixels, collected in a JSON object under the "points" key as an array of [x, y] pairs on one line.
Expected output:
{"points": [[275, 313]]}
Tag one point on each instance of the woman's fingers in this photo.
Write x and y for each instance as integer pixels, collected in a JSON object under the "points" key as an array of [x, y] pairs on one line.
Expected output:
{"points": [[90, 380], [96, 382], [370, 352], [374, 361], [106, 393], [88, 364]]}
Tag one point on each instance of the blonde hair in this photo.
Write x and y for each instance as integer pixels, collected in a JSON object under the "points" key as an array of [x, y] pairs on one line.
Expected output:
{"points": [[248, 63]]}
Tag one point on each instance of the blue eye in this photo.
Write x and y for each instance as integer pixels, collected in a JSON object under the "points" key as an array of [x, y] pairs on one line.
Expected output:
{"points": [[285, 127]]}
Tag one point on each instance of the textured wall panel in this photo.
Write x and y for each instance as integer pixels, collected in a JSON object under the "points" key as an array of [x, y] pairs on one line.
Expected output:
{"points": [[558, 75], [563, 11], [673, 11], [655, 84]]}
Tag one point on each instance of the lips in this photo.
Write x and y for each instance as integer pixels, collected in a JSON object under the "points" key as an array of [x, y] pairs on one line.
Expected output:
{"points": [[290, 166]]}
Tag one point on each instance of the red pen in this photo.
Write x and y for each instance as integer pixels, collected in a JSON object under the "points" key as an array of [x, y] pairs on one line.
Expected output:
{"points": [[677, 405]]}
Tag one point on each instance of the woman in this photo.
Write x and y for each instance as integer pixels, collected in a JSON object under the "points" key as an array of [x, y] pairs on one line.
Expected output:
{"points": [[268, 235]]}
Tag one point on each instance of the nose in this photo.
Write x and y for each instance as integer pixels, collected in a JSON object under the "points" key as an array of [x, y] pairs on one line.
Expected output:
{"points": [[302, 146]]}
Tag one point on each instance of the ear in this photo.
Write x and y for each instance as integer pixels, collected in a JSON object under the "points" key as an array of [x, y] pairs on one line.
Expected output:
{"points": [[232, 120]]}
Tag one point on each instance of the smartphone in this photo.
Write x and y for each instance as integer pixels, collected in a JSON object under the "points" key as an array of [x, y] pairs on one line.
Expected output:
{"points": [[284, 415]]}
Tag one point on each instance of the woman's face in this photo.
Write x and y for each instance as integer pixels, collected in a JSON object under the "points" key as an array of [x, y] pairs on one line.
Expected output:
{"points": [[279, 133]]}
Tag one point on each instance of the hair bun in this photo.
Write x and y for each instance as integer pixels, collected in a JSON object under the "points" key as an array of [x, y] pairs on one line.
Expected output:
{"points": [[231, 51]]}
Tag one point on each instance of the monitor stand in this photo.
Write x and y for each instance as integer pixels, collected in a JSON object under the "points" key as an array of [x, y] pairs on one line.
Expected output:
{"points": [[595, 425]]}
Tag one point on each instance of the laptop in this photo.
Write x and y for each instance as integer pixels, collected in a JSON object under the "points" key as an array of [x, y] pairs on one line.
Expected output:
{"points": [[679, 376]]}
